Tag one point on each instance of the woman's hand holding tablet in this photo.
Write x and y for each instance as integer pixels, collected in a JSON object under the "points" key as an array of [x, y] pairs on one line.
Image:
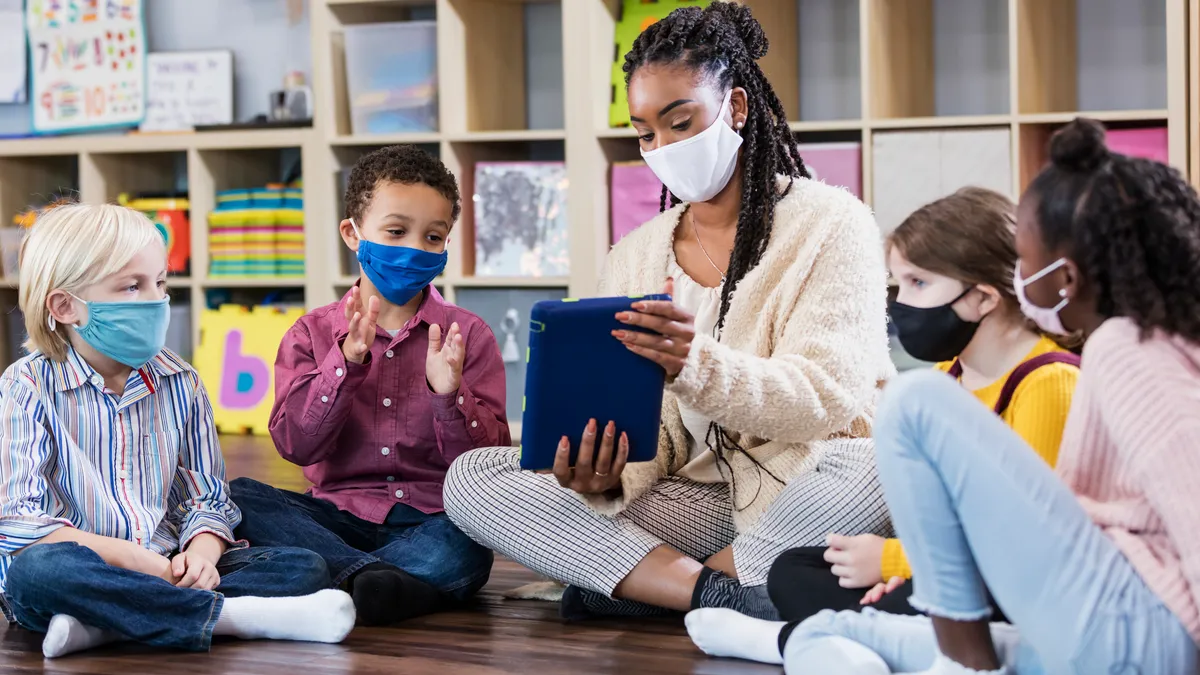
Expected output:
{"points": [[595, 472], [579, 374], [674, 329]]}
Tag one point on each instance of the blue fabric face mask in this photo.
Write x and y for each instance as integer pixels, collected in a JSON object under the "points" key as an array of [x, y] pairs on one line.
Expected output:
{"points": [[131, 333], [399, 272]]}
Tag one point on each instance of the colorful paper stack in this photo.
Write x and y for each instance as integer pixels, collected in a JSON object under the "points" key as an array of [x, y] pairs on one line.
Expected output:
{"points": [[258, 232]]}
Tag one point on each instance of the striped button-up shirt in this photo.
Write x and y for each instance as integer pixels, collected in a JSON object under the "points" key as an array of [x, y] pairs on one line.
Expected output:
{"points": [[144, 466]]}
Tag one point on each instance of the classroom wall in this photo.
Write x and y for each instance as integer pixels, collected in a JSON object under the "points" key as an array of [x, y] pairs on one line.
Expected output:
{"points": [[265, 47]]}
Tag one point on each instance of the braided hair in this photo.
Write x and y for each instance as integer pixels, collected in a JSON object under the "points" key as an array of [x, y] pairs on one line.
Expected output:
{"points": [[722, 43], [1131, 225]]}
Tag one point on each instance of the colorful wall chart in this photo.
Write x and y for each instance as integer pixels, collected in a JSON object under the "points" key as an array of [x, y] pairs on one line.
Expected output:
{"points": [[236, 361], [88, 63]]}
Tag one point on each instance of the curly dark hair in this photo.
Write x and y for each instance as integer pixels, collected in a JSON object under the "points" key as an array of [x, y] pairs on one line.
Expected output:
{"points": [[1131, 225], [723, 42], [404, 164]]}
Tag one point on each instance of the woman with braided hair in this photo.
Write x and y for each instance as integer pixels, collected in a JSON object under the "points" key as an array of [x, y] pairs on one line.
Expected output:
{"points": [[775, 347]]}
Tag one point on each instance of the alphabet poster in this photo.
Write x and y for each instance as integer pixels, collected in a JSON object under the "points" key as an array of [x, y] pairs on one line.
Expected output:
{"points": [[88, 63]]}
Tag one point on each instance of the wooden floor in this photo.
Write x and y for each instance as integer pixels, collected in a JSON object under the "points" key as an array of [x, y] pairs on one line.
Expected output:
{"points": [[495, 636]]}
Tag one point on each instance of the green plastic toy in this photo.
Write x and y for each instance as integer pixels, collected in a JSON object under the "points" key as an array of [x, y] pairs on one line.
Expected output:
{"points": [[636, 16]]}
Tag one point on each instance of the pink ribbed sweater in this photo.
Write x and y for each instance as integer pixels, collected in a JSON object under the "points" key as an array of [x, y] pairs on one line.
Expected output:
{"points": [[1131, 453]]}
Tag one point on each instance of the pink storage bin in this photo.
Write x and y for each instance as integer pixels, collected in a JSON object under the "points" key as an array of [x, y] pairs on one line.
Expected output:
{"points": [[636, 197], [1149, 143], [835, 163]]}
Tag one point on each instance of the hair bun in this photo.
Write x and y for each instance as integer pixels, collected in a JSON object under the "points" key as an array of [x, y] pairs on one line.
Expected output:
{"points": [[1079, 146], [743, 21]]}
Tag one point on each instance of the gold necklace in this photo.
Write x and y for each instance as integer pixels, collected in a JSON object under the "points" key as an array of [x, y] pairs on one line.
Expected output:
{"points": [[696, 232]]}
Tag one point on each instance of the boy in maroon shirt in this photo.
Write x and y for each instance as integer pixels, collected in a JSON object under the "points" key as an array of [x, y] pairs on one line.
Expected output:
{"points": [[375, 396]]}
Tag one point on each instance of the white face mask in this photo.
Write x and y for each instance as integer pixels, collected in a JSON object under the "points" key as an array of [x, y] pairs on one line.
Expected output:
{"points": [[1046, 318], [697, 168]]}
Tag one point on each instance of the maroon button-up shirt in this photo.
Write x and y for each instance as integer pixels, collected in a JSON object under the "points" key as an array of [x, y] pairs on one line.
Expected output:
{"points": [[373, 435]]}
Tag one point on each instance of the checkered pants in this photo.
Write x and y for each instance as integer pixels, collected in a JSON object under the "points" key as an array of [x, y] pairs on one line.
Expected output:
{"points": [[531, 519]]}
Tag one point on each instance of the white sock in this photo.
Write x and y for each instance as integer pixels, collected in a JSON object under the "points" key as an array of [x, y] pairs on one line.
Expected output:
{"points": [[943, 665], [66, 635], [324, 616], [831, 654], [726, 633]]}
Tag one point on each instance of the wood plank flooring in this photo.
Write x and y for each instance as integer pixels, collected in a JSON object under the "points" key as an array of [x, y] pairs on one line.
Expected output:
{"points": [[494, 637]]}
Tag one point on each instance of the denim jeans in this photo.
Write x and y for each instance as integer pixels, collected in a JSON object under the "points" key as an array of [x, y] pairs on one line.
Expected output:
{"points": [[66, 578], [979, 511], [427, 546]]}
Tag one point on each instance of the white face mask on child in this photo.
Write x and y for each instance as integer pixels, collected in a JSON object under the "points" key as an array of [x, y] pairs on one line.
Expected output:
{"points": [[1046, 318], [697, 168]]}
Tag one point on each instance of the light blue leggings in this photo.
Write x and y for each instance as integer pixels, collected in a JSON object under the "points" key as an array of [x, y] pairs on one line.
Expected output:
{"points": [[978, 510]]}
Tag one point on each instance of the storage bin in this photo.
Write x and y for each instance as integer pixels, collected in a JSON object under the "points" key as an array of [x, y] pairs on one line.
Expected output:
{"points": [[391, 77]]}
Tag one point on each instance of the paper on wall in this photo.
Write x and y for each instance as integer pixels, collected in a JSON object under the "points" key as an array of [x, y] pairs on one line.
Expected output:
{"points": [[13, 64]]}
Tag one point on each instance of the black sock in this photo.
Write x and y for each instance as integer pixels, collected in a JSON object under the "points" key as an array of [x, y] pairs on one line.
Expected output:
{"points": [[386, 594], [785, 633], [714, 589], [579, 604]]}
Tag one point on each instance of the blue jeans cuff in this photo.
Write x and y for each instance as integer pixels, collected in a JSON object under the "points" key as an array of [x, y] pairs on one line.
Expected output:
{"points": [[954, 615]]}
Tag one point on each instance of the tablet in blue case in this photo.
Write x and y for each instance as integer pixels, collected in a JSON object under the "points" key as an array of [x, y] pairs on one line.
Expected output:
{"points": [[578, 371]]}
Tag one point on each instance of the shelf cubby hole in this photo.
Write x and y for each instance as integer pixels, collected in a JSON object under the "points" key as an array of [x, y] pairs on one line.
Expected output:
{"points": [[501, 68], [221, 170], [112, 174], [35, 181], [829, 56], [365, 13], [464, 157], [1034, 139], [1092, 55], [938, 57]]}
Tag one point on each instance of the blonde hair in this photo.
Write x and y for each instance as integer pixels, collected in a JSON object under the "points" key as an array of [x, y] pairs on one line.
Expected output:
{"points": [[69, 248]]}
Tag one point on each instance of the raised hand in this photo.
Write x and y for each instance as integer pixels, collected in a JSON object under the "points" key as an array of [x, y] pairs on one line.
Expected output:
{"points": [[444, 362], [362, 326]]}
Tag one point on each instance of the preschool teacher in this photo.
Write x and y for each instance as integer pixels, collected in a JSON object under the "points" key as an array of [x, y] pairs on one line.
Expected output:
{"points": [[775, 350]]}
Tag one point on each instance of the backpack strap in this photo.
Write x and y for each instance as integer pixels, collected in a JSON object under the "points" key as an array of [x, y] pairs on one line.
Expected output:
{"points": [[955, 369], [1026, 368]]}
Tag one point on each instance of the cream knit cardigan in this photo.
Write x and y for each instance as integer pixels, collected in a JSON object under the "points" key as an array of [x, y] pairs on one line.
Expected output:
{"points": [[801, 359]]}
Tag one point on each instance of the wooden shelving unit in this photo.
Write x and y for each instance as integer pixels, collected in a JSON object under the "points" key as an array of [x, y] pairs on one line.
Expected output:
{"points": [[846, 70]]}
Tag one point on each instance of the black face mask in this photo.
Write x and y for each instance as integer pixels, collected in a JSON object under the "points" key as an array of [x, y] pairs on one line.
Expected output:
{"points": [[932, 333]]}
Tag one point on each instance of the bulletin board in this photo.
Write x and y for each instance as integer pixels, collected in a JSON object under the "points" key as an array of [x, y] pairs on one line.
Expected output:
{"points": [[87, 60]]}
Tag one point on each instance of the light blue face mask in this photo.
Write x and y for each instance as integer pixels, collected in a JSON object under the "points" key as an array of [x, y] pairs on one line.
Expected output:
{"points": [[399, 272], [131, 333]]}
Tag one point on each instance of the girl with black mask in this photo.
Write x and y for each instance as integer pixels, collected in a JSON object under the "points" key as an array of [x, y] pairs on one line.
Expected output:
{"points": [[952, 261]]}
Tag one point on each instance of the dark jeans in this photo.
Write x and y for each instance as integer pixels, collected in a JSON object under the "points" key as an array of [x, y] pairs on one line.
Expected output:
{"points": [[66, 578], [427, 546]]}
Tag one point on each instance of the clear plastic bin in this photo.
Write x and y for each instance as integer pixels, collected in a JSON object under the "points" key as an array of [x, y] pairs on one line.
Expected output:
{"points": [[10, 249], [391, 77]]}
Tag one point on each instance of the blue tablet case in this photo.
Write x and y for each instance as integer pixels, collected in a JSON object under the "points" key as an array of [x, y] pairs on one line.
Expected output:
{"points": [[578, 371]]}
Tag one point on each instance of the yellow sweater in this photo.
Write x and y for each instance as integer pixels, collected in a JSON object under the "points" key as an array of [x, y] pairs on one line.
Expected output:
{"points": [[1037, 412]]}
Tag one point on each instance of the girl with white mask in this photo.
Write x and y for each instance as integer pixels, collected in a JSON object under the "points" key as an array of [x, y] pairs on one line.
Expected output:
{"points": [[775, 347]]}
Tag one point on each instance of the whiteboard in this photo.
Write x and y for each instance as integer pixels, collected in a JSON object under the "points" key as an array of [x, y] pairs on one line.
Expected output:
{"points": [[186, 89], [88, 63]]}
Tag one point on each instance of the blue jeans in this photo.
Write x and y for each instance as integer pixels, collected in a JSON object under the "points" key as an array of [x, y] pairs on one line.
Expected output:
{"points": [[66, 578], [978, 510], [427, 546]]}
